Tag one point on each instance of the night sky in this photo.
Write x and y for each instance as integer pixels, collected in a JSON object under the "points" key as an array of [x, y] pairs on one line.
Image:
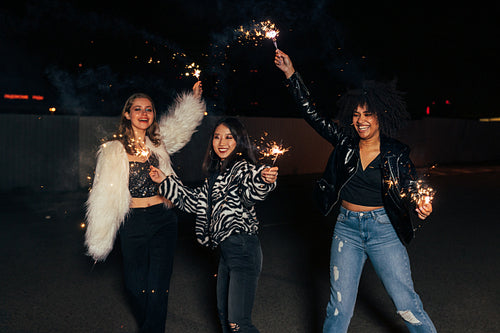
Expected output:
{"points": [[87, 57]]}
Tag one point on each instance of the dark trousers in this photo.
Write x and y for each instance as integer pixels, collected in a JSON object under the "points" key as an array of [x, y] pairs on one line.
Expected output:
{"points": [[148, 240], [240, 265]]}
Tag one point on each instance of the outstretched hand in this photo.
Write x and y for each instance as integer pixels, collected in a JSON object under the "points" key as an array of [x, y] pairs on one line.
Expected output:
{"points": [[269, 175], [197, 89], [283, 62], [156, 174]]}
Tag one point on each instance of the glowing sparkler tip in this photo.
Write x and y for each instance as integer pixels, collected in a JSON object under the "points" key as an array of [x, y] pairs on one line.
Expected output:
{"points": [[271, 34]]}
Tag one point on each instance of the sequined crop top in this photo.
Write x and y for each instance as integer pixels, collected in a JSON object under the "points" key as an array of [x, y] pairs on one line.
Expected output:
{"points": [[139, 183]]}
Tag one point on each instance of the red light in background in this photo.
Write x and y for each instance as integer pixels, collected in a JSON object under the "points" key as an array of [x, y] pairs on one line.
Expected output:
{"points": [[23, 97], [447, 102], [15, 96], [428, 110]]}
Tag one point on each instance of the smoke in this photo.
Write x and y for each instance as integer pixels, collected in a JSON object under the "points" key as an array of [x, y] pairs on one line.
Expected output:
{"points": [[85, 62], [307, 28], [308, 33], [65, 84]]}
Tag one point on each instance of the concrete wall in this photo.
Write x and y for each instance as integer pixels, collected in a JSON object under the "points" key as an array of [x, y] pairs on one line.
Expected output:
{"points": [[57, 153], [39, 152]]}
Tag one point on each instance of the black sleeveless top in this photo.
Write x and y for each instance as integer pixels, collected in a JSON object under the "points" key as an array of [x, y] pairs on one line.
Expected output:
{"points": [[365, 186], [139, 183]]}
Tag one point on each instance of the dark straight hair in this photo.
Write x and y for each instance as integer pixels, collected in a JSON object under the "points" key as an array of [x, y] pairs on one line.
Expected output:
{"points": [[244, 149]]}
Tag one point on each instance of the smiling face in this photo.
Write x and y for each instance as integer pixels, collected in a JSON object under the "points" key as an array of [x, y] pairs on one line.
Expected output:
{"points": [[141, 114], [223, 142], [366, 123]]}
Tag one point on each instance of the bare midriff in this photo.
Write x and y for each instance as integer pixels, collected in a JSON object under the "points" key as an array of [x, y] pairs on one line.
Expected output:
{"points": [[358, 208], [149, 201]]}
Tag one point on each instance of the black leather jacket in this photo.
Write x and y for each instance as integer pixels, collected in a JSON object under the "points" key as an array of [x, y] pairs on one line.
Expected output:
{"points": [[398, 171]]}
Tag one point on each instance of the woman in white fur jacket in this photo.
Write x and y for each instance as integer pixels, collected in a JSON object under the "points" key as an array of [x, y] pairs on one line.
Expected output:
{"points": [[124, 199]]}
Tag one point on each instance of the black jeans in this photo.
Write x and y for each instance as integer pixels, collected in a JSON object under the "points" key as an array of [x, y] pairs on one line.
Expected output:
{"points": [[240, 265], [148, 240]]}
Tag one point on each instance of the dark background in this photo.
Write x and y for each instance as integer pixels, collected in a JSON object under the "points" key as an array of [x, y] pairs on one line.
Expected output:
{"points": [[87, 57]]}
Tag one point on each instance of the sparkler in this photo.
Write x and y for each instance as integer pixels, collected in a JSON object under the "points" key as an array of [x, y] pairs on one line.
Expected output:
{"points": [[143, 152], [257, 32], [271, 32], [140, 150], [194, 70], [421, 192], [271, 149], [93, 265]]}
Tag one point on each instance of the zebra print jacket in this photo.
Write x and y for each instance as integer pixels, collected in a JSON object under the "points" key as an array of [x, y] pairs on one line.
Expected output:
{"points": [[233, 197]]}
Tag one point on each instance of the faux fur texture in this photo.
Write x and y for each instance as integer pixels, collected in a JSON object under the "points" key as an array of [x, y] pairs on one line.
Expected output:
{"points": [[183, 117], [109, 199]]}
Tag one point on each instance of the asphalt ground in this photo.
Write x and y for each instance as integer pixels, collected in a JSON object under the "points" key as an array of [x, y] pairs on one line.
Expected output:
{"points": [[47, 284]]}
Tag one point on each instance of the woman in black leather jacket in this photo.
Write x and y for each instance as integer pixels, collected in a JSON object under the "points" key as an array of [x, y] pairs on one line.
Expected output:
{"points": [[371, 176]]}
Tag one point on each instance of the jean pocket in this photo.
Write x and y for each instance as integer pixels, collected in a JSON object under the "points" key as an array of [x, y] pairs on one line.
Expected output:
{"points": [[383, 219], [341, 218]]}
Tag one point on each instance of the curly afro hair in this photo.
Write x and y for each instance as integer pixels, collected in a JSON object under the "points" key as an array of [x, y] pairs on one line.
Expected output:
{"points": [[382, 98]]}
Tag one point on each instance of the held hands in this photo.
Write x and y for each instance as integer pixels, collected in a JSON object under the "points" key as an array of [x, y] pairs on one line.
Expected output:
{"points": [[197, 89], [423, 209], [283, 62], [156, 174], [269, 175]]}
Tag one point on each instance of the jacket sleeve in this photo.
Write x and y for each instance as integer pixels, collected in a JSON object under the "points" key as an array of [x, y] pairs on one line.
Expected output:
{"points": [[183, 197], [179, 124], [408, 178], [253, 187], [325, 127], [108, 201]]}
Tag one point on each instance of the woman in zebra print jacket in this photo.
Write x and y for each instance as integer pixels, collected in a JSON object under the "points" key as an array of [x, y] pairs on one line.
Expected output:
{"points": [[226, 217]]}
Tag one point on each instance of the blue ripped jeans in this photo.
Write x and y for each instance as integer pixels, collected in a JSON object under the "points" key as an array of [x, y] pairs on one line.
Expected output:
{"points": [[240, 265], [362, 235]]}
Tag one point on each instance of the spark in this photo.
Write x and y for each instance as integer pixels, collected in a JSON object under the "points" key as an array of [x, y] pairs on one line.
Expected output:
{"points": [[256, 32], [270, 148], [270, 31], [419, 191], [194, 70]]}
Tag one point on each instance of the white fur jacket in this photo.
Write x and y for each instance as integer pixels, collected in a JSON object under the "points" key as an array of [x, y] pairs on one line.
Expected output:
{"points": [[109, 200]]}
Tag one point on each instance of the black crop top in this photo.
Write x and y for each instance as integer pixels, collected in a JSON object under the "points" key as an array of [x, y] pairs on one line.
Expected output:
{"points": [[139, 183], [365, 186]]}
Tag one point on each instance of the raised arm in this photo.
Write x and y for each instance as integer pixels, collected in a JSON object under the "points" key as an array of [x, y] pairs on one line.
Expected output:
{"points": [[184, 115], [325, 127]]}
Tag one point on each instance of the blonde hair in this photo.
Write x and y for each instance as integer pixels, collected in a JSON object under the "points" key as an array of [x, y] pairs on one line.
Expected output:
{"points": [[125, 132]]}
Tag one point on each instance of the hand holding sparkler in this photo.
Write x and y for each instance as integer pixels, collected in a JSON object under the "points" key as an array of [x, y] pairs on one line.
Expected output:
{"points": [[269, 175], [423, 196], [197, 89], [424, 209], [283, 62]]}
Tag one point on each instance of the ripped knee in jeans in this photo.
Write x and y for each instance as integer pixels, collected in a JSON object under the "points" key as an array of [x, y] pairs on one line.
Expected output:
{"points": [[409, 317]]}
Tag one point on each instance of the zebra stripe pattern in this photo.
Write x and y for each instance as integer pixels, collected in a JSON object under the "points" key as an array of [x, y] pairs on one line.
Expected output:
{"points": [[234, 195]]}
